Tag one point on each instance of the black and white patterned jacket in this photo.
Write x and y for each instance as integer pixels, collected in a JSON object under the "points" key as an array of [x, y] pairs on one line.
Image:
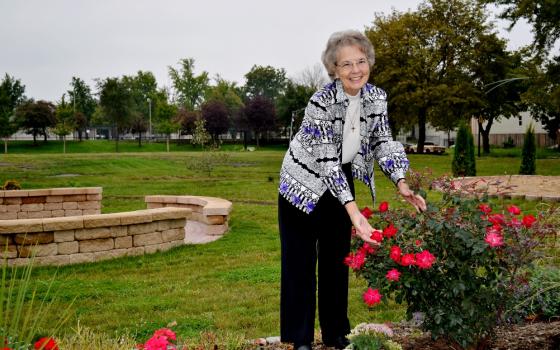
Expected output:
{"points": [[312, 163]]}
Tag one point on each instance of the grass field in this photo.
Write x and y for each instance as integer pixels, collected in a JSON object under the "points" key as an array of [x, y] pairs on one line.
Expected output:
{"points": [[230, 286]]}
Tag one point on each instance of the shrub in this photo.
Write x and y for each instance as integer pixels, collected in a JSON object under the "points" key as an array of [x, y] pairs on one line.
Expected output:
{"points": [[11, 185], [463, 159], [372, 337], [537, 297], [509, 143], [457, 263], [528, 154]]}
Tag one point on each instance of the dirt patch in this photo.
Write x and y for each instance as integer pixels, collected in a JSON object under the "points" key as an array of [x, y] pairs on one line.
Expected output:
{"points": [[534, 336]]}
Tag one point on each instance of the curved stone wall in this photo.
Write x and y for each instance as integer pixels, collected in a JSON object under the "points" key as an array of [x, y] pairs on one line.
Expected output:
{"points": [[168, 222]]}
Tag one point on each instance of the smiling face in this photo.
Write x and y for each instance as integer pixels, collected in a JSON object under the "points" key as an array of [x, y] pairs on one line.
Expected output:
{"points": [[352, 68]]}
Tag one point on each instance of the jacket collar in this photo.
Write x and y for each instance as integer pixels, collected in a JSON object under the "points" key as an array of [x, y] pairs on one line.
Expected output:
{"points": [[341, 97]]}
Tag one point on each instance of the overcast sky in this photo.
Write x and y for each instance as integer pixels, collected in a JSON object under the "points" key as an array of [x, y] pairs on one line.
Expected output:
{"points": [[46, 42]]}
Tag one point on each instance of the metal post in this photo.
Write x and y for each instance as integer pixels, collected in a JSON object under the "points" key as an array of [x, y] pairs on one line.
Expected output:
{"points": [[150, 115]]}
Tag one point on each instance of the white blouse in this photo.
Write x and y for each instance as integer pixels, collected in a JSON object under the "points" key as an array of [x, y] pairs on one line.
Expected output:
{"points": [[351, 133]]}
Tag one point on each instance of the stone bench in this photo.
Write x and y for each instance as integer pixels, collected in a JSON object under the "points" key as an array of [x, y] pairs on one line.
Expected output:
{"points": [[50, 202], [209, 218], [90, 238]]}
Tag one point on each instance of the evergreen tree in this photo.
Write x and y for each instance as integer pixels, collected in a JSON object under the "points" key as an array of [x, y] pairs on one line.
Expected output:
{"points": [[528, 154], [463, 159]]}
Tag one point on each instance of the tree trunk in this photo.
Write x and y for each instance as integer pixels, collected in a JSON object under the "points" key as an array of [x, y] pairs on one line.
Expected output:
{"points": [[167, 142], [421, 130], [80, 135], [117, 143], [63, 143], [139, 139], [45, 135], [5, 145], [486, 135], [34, 139]]}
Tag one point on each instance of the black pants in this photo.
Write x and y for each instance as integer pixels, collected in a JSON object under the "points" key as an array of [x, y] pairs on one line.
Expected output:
{"points": [[323, 236]]}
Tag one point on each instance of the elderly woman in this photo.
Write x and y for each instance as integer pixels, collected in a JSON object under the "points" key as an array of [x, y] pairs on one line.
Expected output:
{"points": [[344, 130]]}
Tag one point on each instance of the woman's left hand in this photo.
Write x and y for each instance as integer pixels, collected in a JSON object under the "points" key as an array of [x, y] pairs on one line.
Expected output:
{"points": [[416, 200]]}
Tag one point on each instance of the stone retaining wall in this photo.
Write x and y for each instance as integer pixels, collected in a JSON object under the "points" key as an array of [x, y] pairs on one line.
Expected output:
{"points": [[209, 218], [50, 203], [90, 238]]}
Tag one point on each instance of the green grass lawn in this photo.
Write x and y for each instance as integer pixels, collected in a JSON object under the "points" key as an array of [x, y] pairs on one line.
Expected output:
{"points": [[228, 286]]}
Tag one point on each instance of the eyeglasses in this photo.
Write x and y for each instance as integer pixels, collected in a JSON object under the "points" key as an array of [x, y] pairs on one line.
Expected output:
{"points": [[348, 65]]}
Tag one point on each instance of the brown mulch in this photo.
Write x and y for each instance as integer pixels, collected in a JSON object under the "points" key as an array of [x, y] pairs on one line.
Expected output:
{"points": [[533, 336]]}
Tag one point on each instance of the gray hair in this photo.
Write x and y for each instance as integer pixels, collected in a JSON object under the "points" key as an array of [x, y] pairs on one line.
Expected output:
{"points": [[341, 39]]}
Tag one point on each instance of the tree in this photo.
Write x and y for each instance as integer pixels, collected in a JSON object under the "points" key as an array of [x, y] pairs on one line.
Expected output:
{"points": [[11, 96], [200, 135], [230, 95], [313, 77], [117, 104], [215, 114], [260, 115], [266, 81], [189, 89], [138, 125], [83, 104], [143, 87], [543, 15], [543, 94], [499, 92], [35, 118], [294, 100], [186, 120], [64, 123], [463, 158], [167, 122], [423, 61], [529, 152]]}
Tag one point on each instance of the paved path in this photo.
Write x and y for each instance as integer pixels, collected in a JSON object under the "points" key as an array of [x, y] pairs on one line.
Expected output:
{"points": [[529, 187]]}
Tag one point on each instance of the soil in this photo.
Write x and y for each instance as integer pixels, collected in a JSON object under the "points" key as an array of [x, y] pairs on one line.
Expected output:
{"points": [[531, 336]]}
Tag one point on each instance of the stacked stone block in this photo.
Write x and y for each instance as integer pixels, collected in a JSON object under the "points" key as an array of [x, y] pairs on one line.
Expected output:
{"points": [[50, 203], [90, 238], [209, 216]]}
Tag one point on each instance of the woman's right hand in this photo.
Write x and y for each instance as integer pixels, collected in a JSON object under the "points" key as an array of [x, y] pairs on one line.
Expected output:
{"points": [[361, 225]]}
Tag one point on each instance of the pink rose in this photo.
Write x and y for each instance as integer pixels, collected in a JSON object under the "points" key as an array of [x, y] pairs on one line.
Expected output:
{"points": [[425, 259], [372, 297], [166, 332], [393, 275], [513, 210], [494, 239]]}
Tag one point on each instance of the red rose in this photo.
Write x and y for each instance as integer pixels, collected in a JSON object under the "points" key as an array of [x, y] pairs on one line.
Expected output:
{"points": [[46, 343], [372, 297], [367, 213], [355, 261], [485, 208], [528, 220], [494, 229], [408, 260], [514, 222], [513, 210], [377, 236], [384, 206], [390, 231], [366, 249], [425, 259], [395, 254], [496, 219], [393, 275], [418, 243]]}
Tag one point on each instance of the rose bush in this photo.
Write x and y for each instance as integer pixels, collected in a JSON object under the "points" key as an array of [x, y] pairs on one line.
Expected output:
{"points": [[457, 263]]}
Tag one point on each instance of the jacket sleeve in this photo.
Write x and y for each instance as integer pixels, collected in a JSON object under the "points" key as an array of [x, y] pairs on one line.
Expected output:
{"points": [[389, 154], [317, 136]]}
